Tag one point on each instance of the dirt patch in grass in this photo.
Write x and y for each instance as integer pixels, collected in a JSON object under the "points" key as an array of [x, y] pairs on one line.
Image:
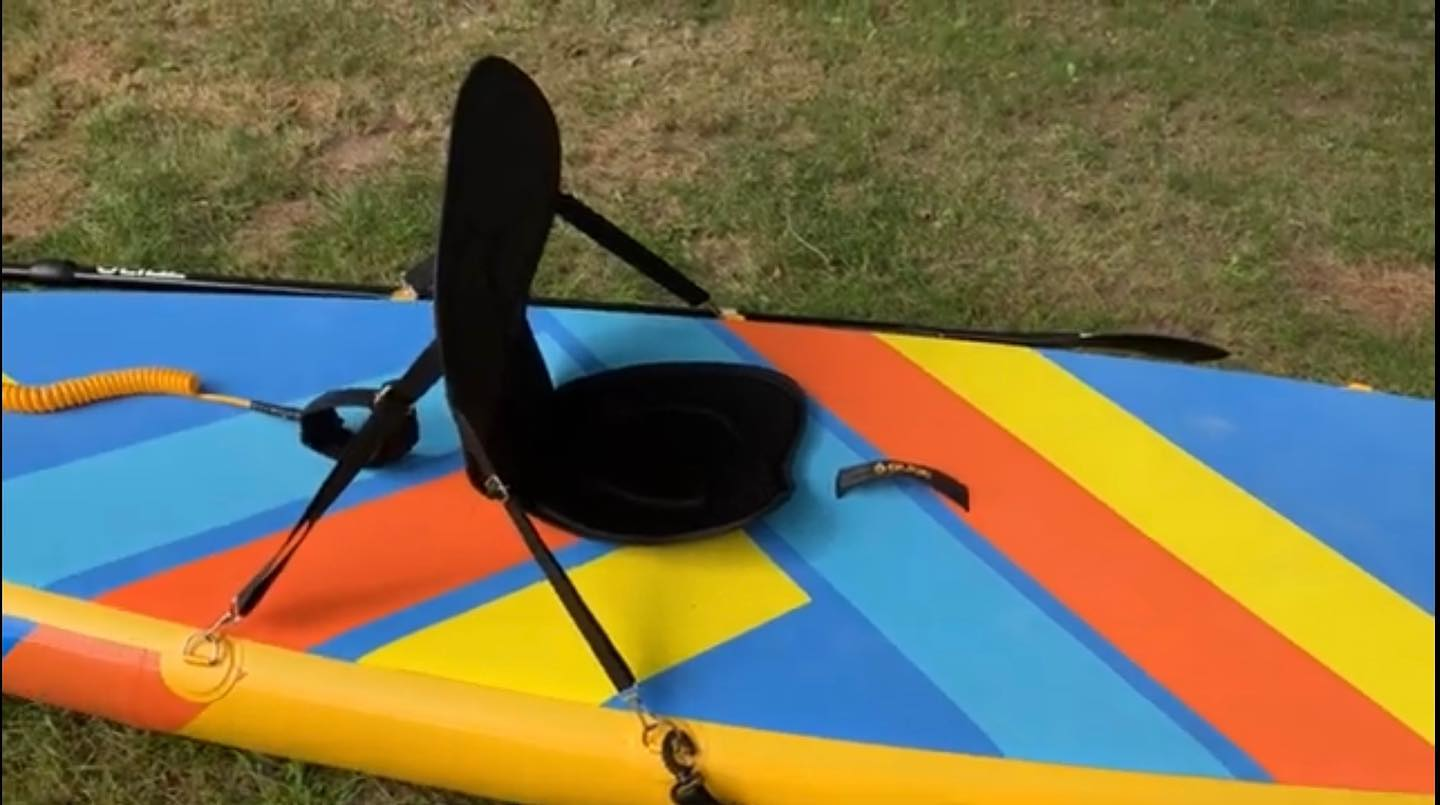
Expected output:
{"points": [[86, 63], [21, 64], [37, 201], [732, 259], [230, 103], [318, 104], [351, 154], [679, 94], [267, 235], [80, 63], [1389, 298]]}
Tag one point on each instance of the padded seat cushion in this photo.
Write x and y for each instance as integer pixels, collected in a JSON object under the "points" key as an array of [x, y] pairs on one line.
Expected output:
{"points": [[666, 451]]}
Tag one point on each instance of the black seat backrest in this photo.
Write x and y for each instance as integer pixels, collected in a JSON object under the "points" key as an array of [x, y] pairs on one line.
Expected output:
{"points": [[677, 450], [499, 204]]}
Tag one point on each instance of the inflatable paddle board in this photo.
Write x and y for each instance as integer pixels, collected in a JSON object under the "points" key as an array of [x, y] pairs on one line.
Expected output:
{"points": [[1171, 585]]}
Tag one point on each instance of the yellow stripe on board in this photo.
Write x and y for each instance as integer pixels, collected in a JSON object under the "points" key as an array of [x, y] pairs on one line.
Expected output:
{"points": [[661, 606], [1356, 625]]}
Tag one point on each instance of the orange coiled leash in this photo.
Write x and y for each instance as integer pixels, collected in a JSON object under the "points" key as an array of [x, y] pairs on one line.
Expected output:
{"points": [[322, 429], [76, 392]]}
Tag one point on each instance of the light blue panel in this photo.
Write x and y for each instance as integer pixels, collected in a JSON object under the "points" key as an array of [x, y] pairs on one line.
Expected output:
{"points": [[63, 520], [1031, 686], [1355, 469], [267, 348], [94, 522]]}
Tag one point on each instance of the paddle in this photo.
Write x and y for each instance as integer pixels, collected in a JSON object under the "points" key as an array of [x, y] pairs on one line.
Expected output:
{"points": [[72, 274], [66, 273]]}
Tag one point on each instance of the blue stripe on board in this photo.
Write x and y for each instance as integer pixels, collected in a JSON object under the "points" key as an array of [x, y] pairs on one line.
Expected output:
{"points": [[98, 580], [208, 489], [1235, 759], [362, 640], [811, 671], [238, 345], [13, 630], [64, 520], [1310, 452], [572, 348], [1036, 689]]}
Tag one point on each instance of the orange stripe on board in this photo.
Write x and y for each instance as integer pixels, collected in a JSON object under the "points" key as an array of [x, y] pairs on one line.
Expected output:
{"points": [[360, 564], [1297, 719], [90, 675]]}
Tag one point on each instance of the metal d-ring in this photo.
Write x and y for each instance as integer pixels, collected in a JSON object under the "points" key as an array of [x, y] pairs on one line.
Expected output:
{"points": [[207, 648]]}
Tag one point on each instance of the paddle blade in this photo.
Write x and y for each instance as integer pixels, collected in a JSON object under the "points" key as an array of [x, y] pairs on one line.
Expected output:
{"points": [[1170, 347], [1164, 347]]}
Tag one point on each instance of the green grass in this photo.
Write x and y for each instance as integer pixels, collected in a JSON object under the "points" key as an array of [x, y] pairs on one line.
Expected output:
{"points": [[1255, 172], [62, 758]]}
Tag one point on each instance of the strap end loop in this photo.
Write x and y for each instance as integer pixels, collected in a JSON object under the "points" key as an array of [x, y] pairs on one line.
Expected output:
{"points": [[850, 477]]}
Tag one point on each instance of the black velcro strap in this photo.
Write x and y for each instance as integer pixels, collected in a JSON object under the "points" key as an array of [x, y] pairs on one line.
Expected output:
{"points": [[678, 749], [390, 411], [604, 649], [323, 430], [616, 241], [851, 477]]}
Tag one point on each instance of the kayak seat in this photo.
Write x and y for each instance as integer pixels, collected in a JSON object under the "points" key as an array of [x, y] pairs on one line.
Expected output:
{"points": [[666, 451], [644, 453]]}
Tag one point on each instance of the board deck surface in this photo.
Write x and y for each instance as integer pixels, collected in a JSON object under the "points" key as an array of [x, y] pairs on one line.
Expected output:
{"points": [[1193, 574]]}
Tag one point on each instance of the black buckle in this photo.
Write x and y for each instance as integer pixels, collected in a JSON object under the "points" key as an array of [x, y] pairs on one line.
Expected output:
{"points": [[495, 489]]}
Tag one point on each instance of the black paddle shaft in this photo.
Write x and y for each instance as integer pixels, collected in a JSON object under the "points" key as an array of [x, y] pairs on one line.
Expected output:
{"points": [[69, 273], [65, 273]]}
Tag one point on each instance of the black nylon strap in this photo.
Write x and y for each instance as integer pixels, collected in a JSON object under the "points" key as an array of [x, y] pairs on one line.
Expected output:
{"points": [[391, 410], [323, 430], [580, 614], [420, 277], [604, 649], [619, 243]]}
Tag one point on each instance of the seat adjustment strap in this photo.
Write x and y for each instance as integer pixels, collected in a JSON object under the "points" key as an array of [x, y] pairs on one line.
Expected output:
{"points": [[619, 243], [420, 277], [860, 474], [323, 430], [391, 410]]}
